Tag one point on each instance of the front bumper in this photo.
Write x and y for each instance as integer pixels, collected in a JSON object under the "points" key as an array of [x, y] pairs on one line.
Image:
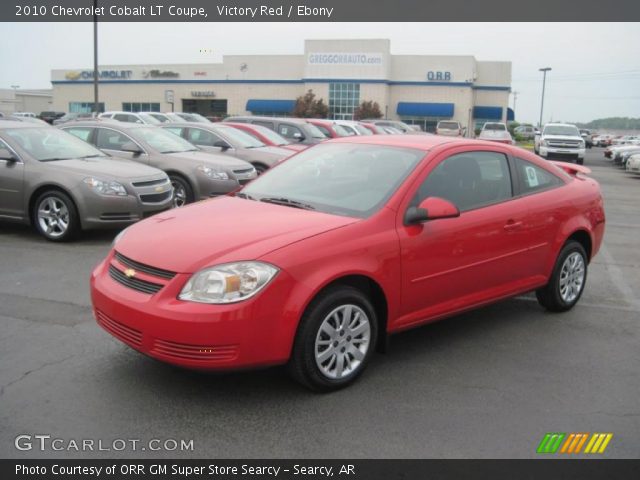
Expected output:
{"points": [[256, 332], [112, 212]]}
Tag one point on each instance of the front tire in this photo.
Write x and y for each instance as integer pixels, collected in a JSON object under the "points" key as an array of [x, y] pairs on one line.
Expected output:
{"points": [[335, 340], [182, 191], [55, 216], [567, 281]]}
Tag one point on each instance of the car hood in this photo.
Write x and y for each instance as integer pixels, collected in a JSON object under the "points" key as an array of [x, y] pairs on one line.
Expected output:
{"points": [[263, 153], [107, 168], [210, 159], [221, 230]]}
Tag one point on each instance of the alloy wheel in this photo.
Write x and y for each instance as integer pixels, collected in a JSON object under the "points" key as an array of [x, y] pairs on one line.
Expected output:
{"points": [[179, 194], [53, 217], [572, 277]]}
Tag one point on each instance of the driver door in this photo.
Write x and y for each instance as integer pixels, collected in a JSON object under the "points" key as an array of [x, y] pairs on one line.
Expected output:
{"points": [[11, 186]]}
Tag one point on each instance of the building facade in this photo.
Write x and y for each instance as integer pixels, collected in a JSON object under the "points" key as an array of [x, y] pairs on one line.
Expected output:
{"points": [[16, 100], [418, 89]]}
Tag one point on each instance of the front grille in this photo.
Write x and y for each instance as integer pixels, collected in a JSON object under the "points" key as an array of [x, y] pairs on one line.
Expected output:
{"points": [[118, 216], [210, 353], [156, 197], [564, 144], [118, 330], [150, 183], [134, 283], [156, 272]]}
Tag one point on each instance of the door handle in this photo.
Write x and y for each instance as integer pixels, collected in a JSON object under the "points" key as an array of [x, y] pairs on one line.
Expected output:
{"points": [[512, 225]]}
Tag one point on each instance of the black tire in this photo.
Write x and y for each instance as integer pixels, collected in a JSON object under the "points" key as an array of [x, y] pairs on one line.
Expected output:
{"points": [[182, 191], [260, 168], [580, 161], [303, 366], [52, 228], [550, 296]]}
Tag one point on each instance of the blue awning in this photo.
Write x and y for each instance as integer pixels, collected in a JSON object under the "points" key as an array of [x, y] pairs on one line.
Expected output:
{"points": [[410, 109], [487, 113], [270, 106], [511, 115]]}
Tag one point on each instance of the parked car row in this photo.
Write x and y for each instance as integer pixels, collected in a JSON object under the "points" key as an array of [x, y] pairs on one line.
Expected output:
{"points": [[626, 155]]}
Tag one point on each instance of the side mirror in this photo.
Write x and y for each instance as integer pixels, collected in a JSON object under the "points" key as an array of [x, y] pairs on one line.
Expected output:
{"points": [[7, 155], [431, 208], [131, 147], [298, 136], [222, 145]]}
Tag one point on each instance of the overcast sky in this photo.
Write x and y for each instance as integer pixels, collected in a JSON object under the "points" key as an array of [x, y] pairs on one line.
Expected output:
{"points": [[596, 66]]}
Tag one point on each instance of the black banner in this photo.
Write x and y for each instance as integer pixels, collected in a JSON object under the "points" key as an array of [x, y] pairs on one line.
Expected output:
{"points": [[316, 10], [546, 469]]}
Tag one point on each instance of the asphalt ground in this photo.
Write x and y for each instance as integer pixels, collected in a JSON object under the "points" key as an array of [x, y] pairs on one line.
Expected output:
{"points": [[487, 384]]}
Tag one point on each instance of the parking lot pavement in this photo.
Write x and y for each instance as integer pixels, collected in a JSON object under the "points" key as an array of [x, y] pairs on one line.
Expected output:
{"points": [[487, 384]]}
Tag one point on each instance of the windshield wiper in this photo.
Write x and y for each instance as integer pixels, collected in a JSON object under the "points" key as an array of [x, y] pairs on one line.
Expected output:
{"points": [[93, 156], [54, 159], [287, 202], [243, 195]]}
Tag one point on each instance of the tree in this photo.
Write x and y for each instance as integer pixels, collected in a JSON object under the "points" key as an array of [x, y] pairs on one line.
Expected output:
{"points": [[308, 107], [367, 109]]}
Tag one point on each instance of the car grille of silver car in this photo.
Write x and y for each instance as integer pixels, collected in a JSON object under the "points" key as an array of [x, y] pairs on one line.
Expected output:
{"points": [[156, 197], [564, 144]]}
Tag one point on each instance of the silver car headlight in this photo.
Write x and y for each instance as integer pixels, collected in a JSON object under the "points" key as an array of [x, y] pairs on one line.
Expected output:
{"points": [[105, 187], [228, 283], [213, 173]]}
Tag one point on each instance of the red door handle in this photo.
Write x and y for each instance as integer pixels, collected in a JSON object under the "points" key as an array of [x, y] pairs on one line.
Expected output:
{"points": [[512, 225]]}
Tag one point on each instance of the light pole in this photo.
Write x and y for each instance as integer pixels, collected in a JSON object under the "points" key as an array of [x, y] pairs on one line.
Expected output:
{"points": [[544, 80], [96, 103], [515, 98]]}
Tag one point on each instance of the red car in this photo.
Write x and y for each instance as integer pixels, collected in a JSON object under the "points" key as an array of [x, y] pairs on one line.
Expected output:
{"points": [[267, 136], [315, 263], [375, 129], [329, 128]]}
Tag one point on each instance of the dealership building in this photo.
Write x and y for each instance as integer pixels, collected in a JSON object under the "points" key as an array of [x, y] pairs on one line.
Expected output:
{"points": [[418, 89]]}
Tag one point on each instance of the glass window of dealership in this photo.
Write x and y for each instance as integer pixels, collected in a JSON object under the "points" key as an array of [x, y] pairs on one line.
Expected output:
{"points": [[418, 89]]}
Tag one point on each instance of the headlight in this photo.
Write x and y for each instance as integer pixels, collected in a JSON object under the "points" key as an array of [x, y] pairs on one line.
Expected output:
{"points": [[213, 173], [544, 143], [105, 187], [228, 283]]}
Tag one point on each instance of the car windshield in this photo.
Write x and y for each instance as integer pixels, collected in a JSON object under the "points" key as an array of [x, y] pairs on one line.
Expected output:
{"points": [[150, 119], [162, 141], [561, 130], [362, 130], [48, 144], [449, 125], [272, 136], [495, 127], [343, 179], [238, 138], [315, 131], [194, 117], [343, 131], [174, 117]]}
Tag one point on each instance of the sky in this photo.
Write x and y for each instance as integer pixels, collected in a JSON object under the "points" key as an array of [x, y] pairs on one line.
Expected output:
{"points": [[595, 66]]}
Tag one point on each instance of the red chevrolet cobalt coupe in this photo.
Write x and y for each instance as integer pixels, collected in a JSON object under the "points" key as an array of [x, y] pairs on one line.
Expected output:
{"points": [[317, 262]]}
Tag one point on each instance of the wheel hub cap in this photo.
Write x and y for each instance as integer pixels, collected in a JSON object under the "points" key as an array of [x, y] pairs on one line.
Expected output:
{"points": [[342, 341], [53, 217], [572, 277]]}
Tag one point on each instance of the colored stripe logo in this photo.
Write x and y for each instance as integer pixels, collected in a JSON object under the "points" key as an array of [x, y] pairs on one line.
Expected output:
{"points": [[574, 442]]}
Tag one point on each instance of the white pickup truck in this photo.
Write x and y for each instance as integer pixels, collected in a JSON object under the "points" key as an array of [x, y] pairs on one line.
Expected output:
{"points": [[560, 141]]}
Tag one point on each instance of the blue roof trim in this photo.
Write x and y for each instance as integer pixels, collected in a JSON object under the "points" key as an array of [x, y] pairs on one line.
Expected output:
{"points": [[270, 106], [487, 113], [411, 109], [511, 115]]}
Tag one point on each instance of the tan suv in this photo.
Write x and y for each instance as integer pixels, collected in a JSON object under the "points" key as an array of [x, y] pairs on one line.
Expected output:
{"points": [[61, 184], [449, 128]]}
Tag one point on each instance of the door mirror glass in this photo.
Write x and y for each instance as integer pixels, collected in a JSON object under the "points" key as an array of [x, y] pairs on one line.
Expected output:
{"points": [[222, 144], [5, 154], [130, 147], [431, 208]]}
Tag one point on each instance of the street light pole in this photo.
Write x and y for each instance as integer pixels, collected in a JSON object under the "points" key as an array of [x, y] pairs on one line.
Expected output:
{"points": [[544, 80], [96, 103]]}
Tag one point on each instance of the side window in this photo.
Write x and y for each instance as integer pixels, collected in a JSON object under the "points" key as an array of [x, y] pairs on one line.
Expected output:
{"points": [[469, 180], [289, 131], [533, 178], [202, 137], [83, 133], [110, 139], [269, 125], [175, 130], [324, 130]]}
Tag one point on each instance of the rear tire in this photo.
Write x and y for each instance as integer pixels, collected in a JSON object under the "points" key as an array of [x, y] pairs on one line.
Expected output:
{"points": [[567, 281], [335, 340], [55, 216]]}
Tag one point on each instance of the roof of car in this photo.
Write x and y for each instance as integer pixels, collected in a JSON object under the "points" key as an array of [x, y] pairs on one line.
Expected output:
{"points": [[420, 142], [16, 124], [101, 122], [277, 119]]}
